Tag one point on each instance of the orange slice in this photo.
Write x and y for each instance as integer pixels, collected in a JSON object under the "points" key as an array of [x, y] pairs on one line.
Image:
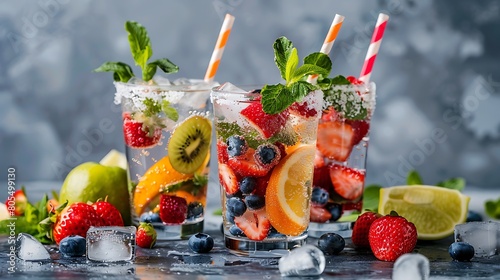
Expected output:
{"points": [[288, 192]]}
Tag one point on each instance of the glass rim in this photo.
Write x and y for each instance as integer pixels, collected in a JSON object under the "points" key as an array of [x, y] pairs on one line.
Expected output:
{"points": [[191, 87]]}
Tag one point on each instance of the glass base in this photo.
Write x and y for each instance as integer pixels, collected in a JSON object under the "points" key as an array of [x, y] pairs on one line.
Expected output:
{"points": [[177, 232], [343, 229], [269, 248]]}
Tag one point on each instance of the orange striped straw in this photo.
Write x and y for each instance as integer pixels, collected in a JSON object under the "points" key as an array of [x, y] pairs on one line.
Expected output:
{"points": [[372, 52], [219, 48], [329, 40]]}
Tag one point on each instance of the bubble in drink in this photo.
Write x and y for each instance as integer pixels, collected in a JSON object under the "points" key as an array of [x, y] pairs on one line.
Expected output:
{"points": [[411, 266], [30, 249], [483, 236], [111, 244], [307, 260]]}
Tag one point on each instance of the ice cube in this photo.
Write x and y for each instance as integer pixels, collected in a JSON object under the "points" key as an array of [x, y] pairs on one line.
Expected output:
{"points": [[111, 244], [136, 81], [411, 266], [231, 88], [30, 249], [483, 236], [161, 81], [307, 260]]}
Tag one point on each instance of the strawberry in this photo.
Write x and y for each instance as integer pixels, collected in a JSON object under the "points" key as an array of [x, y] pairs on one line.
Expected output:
{"points": [[321, 178], [173, 209], [254, 224], [360, 129], [392, 236], [19, 201], [228, 179], [108, 212], [262, 183], [145, 237], [222, 155], [347, 182], [303, 109], [318, 160], [74, 219], [319, 214], [330, 115], [246, 165], [335, 140], [138, 134], [362, 227], [354, 80], [266, 124]]}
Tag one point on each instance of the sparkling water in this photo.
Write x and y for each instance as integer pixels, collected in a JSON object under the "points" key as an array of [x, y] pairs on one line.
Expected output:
{"points": [[111, 244], [307, 260], [30, 249]]}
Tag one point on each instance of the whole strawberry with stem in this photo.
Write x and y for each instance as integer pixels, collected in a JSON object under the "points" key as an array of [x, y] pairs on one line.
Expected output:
{"points": [[362, 227], [145, 236], [108, 212], [392, 236]]}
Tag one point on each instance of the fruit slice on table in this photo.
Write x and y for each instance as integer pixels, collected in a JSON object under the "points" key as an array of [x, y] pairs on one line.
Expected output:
{"points": [[434, 210], [189, 144], [287, 195], [335, 140]]}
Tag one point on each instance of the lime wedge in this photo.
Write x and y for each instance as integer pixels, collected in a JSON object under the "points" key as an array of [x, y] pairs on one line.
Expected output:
{"points": [[114, 158], [434, 210]]}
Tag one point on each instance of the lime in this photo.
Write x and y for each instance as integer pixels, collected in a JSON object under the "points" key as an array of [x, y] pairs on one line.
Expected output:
{"points": [[114, 158], [434, 210], [91, 181]]}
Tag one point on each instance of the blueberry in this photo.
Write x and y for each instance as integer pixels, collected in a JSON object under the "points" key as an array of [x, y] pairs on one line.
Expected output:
{"points": [[474, 217], [236, 231], [254, 201], [236, 145], [201, 242], [267, 154], [229, 217], [461, 251], [331, 243], [195, 210], [335, 210], [150, 217], [247, 185], [319, 196], [235, 206], [73, 246]]}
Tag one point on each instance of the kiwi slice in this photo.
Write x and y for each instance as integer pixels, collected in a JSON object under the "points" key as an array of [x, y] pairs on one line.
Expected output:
{"points": [[189, 144]]}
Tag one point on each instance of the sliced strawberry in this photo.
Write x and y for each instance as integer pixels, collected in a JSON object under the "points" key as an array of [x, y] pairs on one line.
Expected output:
{"points": [[246, 165], [137, 134], [360, 130], [303, 109], [228, 179], [254, 224], [222, 155], [321, 178], [319, 214], [354, 80], [173, 209], [266, 124], [318, 160], [335, 140], [330, 115], [262, 183], [347, 182]]}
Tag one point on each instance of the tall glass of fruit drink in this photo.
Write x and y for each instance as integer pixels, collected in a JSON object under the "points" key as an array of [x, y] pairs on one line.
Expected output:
{"points": [[266, 146], [340, 163]]}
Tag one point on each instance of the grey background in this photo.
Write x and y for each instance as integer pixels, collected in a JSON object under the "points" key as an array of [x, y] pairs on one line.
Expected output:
{"points": [[437, 75]]}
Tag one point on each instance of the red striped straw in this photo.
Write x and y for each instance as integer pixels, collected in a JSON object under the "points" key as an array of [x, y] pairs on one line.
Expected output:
{"points": [[225, 30], [371, 55], [329, 40]]}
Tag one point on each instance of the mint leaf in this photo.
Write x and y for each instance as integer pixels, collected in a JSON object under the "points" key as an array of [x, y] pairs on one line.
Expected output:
{"points": [[169, 111], [164, 64], [492, 208], [319, 59], [276, 98], [283, 49], [300, 89], [371, 197], [453, 183], [340, 80], [306, 70], [122, 71], [152, 107], [291, 65], [413, 178], [148, 72], [140, 45]]}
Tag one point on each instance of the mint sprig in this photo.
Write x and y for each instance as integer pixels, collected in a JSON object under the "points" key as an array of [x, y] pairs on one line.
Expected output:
{"points": [[140, 47], [276, 98]]}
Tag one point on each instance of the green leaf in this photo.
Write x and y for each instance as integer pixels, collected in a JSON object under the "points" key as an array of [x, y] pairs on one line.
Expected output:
{"points": [[340, 80], [413, 178], [152, 107], [371, 197], [122, 71], [453, 183], [166, 65], [140, 45], [349, 218], [300, 89], [169, 111], [283, 49], [291, 65], [148, 72], [319, 59], [492, 208], [276, 98], [306, 70]]}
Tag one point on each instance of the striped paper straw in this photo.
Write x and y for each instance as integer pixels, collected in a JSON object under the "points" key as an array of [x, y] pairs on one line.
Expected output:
{"points": [[329, 40], [219, 48], [371, 55]]}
